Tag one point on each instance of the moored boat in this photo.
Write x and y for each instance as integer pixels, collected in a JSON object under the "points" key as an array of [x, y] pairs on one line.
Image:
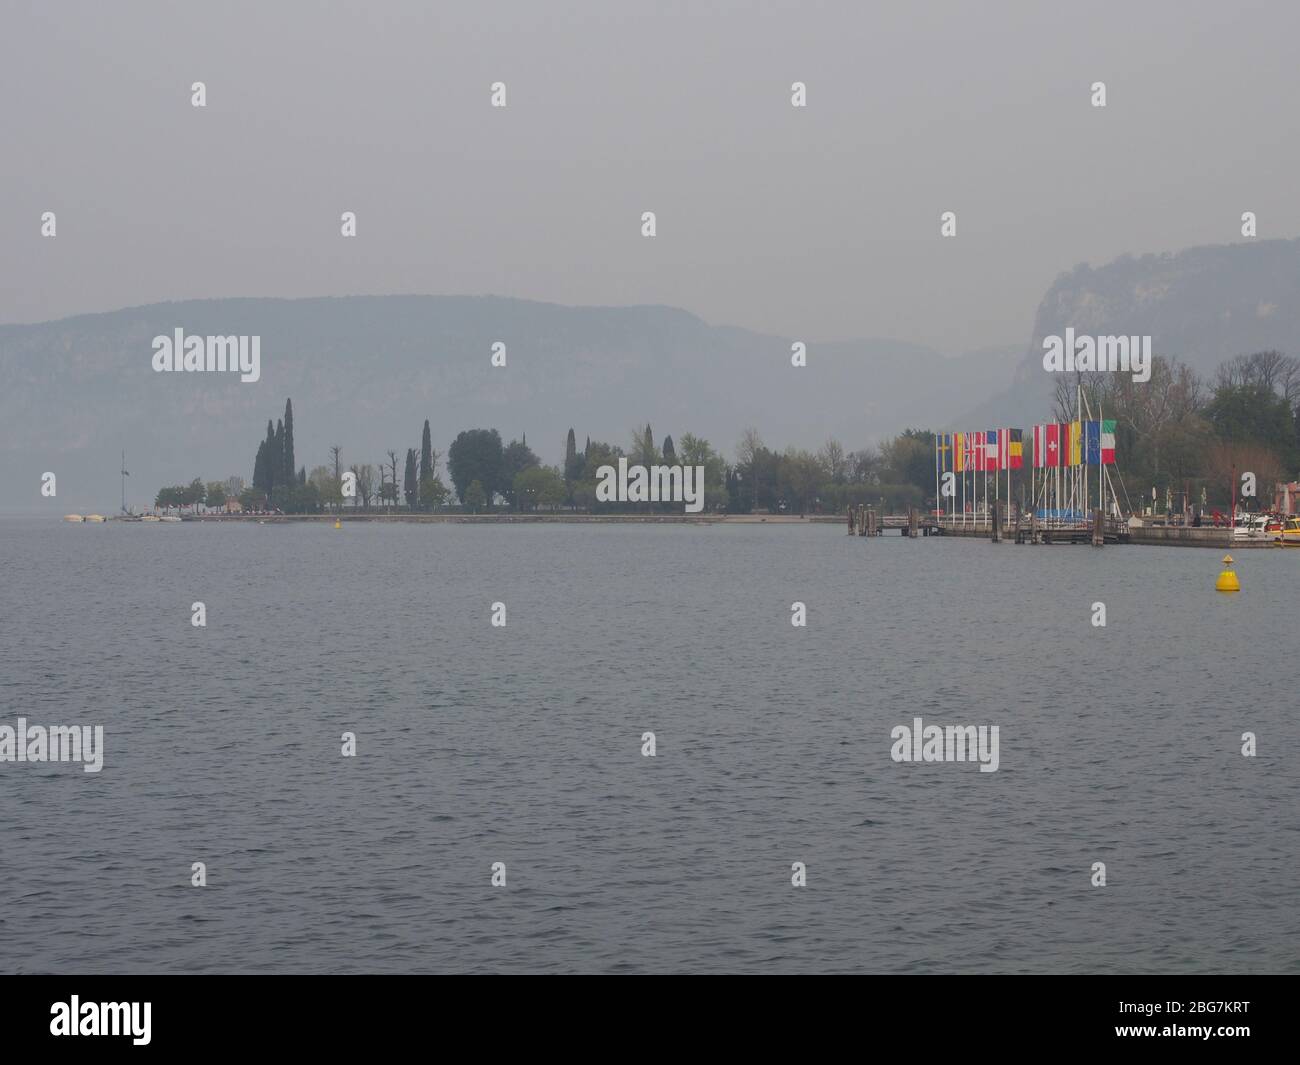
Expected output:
{"points": [[73, 517], [96, 518], [1289, 534], [1252, 527]]}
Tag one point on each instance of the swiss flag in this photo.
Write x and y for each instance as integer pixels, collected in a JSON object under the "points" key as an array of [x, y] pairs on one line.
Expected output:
{"points": [[1053, 444]]}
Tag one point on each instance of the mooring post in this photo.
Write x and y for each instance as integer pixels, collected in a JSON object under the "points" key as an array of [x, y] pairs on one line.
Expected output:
{"points": [[1033, 527], [862, 519], [997, 525], [911, 522], [850, 520], [1098, 528]]}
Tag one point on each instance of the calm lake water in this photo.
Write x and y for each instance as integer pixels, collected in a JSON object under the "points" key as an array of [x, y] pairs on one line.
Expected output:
{"points": [[522, 745]]}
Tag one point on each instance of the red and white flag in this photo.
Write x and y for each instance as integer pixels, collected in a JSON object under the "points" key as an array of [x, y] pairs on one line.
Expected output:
{"points": [[1053, 443]]}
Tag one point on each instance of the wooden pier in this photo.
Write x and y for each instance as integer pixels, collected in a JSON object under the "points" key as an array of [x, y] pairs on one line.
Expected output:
{"points": [[994, 526], [864, 521]]}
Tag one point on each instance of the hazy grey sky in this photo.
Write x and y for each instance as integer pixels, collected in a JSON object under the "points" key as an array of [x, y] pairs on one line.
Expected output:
{"points": [[820, 223]]}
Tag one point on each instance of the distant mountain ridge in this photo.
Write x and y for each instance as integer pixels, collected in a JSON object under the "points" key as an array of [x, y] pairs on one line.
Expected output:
{"points": [[365, 371], [1204, 305]]}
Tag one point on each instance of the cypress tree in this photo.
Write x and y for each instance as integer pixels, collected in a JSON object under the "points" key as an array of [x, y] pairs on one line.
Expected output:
{"points": [[670, 453], [571, 458], [290, 464], [282, 476], [272, 458], [259, 468], [410, 485], [426, 454]]}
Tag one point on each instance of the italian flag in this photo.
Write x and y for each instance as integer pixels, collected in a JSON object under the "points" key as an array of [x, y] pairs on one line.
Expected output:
{"points": [[1108, 442]]}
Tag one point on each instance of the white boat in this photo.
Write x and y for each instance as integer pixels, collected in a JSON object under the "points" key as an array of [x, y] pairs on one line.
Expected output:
{"points": [[150, 517], [169, 517], [1252, 527], [73, 517], [96, 517]]}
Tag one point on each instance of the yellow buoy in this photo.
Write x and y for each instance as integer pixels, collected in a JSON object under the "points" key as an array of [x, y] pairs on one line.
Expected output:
{"points": [[1227, 581], [338, 524]]}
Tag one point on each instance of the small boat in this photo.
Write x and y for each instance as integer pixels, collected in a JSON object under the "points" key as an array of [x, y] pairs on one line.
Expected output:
{"points": [[1289, 534], [169, 517], [73, 517], [150, 517], [1252, 527], [96, 517]]}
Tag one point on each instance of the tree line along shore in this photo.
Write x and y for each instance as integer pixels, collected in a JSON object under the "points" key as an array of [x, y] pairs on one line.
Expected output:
{"points": [[1177, 433]]}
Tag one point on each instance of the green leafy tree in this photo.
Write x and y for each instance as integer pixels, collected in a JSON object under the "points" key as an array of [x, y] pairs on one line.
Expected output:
{"points": [[539, 486], [476, 455], [433, 493], [516, 458], [325, 489], [475, 497], [1254, 414], [584, 491]]}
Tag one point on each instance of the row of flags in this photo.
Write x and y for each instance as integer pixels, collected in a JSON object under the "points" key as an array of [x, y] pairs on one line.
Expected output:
{"points": [[1080, 443], [989, 450]]}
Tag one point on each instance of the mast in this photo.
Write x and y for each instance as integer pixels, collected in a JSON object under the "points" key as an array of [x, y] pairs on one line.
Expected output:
{"points": [[1078, 474]]}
